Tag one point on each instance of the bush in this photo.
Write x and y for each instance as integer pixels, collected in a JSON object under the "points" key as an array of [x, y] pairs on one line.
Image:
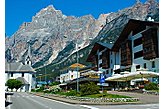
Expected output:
{"points": [[89, 89], [71, 93], [32, 90], [39, 90], [55, 89], [152, 86], [13, 83], [54, 83]]}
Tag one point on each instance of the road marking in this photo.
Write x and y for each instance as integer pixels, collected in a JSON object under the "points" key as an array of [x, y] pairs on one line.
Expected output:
{"points": [[38, 103], [89, 107], [59, 102], [9, 100]]}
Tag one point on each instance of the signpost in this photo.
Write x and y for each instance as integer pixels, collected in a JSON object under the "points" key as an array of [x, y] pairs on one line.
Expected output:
{"points": [[102, 80]]}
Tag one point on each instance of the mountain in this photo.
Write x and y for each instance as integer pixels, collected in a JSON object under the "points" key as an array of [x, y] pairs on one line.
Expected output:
{"points": [[50, 32], [52, 36]]}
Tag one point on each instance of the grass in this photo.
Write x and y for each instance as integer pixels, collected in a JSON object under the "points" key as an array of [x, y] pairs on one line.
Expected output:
{"points": [[107, 96], [154, 90]]}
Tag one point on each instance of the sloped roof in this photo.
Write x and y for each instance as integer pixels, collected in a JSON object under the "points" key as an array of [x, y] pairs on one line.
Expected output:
{"points": [[22, 80], [131, 26], [77, 65], [18, 67], [107, 45], [97, 46]]}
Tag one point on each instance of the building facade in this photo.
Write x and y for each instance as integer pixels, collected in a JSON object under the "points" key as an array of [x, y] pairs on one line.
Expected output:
{"points": [[136, 48], [24, 73]]}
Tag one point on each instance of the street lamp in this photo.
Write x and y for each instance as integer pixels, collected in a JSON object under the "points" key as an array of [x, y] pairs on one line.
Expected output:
{"points": [[77, 59], [45, 73], [40, 76]]}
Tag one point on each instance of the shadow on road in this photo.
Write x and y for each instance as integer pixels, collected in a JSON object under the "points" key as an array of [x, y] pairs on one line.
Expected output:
{"points": [[7, 103]]}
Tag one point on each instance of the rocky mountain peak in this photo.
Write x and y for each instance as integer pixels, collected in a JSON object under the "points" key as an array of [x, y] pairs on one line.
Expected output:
{"points": [[52, 36], [138, 1]]}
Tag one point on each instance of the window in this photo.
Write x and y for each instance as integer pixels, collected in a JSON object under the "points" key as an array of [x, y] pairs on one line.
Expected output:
{"points": [[111, 53], [107, 71], [33, 76], [12, 74], [138, 54], [137, 42], [145, 65], [111, 70], [100, 56], [22, 74], [138, 67], [100, 65], [153, 64]]}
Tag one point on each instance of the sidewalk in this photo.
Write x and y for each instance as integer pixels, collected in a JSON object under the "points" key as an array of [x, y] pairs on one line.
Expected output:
{"points": [[143, 99]]}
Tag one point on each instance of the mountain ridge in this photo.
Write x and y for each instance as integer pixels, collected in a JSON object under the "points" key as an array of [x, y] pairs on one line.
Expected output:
{"points": [[50, 32]]}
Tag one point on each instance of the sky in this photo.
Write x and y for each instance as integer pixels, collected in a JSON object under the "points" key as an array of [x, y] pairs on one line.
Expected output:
{"points": [[19, 11]]}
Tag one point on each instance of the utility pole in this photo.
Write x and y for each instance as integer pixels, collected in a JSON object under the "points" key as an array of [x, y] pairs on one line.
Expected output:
{"points": [[77, 66]]}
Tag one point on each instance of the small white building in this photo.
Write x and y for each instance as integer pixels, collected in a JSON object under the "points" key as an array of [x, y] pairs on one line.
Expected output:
{"points": [[68, 76], [71, 73], [24, 73]]}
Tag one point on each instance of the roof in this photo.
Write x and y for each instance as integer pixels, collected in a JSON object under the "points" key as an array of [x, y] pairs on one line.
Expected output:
{"points": [[22, 80], [77, 65], [18, 67], [130, 26], [98, 45], [109, 46]]}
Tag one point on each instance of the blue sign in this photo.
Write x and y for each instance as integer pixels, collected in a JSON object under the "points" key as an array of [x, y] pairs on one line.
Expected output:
{"points": [[102, 78], [49, 82]]}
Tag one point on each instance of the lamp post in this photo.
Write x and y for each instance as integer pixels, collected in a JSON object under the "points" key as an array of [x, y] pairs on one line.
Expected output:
{"points": [[45, 73], [77, 59], [40, 77]]}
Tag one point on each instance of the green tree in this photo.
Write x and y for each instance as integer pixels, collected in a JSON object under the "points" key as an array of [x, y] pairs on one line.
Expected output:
{"points": [[10, 83], [13, 83], [89, 89], [152, 86], [18, 84]]}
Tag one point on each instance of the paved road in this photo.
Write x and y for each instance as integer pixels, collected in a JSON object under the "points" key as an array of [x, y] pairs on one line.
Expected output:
{"points": [[28, 101], [144, 98], [138, 106]]}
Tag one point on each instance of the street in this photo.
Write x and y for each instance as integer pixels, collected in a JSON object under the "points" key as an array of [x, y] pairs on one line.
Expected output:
{"points": [[27, 101]]}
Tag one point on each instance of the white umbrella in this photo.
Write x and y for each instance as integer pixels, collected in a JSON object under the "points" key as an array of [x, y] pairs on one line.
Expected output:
{"points": [[140, 79], [135, 75], [91, 72]]}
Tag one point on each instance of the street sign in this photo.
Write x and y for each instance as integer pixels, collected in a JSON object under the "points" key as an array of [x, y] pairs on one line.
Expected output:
{"points": [[49, 82], [102, 78]]}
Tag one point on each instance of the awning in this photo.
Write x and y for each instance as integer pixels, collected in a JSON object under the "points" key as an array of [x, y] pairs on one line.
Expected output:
{"points": [[131, 76], [63, 84], [91, 72], [77, 65], [140, 79], [22, 80]]}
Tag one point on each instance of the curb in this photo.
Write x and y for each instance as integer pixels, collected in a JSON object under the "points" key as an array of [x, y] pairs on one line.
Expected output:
{"points": [[88, 103]]}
